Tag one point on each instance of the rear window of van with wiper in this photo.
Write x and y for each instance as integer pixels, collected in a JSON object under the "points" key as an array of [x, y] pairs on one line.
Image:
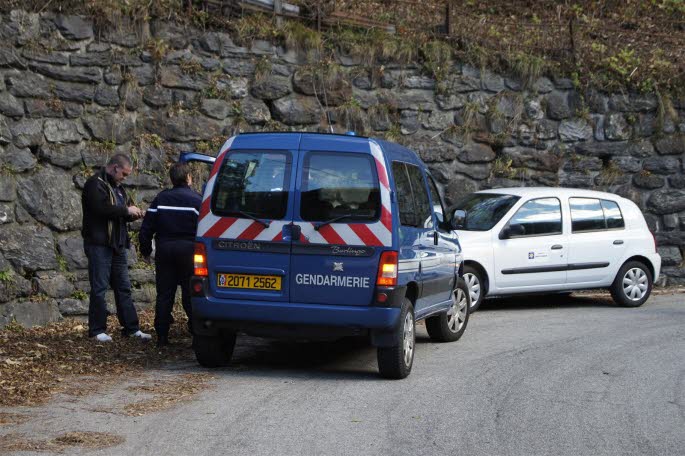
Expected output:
{"points": [[339, 186], [253, 183]]}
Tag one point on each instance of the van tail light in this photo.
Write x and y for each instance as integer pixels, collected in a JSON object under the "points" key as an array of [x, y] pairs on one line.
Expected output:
{"points": [[387, 269], [655, 244], [200, 260]]}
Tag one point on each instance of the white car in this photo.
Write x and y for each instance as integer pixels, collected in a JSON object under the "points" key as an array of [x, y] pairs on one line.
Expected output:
{"points": [[539, 240]]}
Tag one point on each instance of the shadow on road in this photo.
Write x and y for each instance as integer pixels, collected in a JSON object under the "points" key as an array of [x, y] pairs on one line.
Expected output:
{"points": [[346, 358], [548, 301]]}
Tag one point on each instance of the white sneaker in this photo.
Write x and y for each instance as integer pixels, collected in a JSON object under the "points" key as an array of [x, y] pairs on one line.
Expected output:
{"points": [[140, 334], [102, 337]]}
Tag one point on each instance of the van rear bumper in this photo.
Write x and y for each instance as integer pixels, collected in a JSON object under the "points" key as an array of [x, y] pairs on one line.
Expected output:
{"points": [[209, 311]]}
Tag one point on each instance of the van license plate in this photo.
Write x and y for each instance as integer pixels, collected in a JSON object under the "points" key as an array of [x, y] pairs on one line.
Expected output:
{"points": [[254, 282]]}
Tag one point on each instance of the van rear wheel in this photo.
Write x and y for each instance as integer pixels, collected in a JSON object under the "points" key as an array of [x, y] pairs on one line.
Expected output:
{"points": [[395, 362], [214, 351], [450, 325]]}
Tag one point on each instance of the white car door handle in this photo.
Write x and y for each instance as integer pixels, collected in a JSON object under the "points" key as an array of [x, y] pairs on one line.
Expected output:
{"points": [[557, 247], [618, 242]]}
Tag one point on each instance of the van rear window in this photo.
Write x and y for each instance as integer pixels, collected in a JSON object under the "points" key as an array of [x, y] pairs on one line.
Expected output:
{"points": [[340, 186], [255, 183]]}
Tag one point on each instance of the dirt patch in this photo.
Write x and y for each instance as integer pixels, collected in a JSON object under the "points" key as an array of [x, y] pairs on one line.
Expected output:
{"points": [[92, 440], [39, 362], [167, 393], [9, 419]]}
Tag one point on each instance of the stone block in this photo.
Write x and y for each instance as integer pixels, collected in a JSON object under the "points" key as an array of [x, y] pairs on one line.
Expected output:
{"points": [[633, 102], [216, 109], [63, 131], [27, 132], [28, 84], [183, 127], [666, 201], [575, 130], [616, 127], [50, 197], [107, 126], [10, 106], [476, 153], [662, 165], [296, 110], [62, 155], [17, 159], [74, 91], [53, 284], [648, 181], [41, 256], [671, 144], [70, 246], [8, 188], [72, 307], [29, 313], [255, 112], [74, 27], [271, 87]]}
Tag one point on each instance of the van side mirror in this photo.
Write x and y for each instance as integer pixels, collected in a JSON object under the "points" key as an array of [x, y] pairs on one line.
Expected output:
{"points": [[510, 231], [458, 219]]}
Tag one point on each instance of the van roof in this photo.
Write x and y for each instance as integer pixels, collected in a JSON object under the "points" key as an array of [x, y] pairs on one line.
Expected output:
{"points": [[321, 141], [552, 191]]}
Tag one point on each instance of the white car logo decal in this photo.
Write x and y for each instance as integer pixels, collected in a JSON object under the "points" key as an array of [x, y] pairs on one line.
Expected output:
{"points": [[337, 267]]}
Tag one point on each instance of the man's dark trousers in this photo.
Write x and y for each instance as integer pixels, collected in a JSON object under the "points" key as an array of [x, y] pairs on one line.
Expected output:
{"points": [[174, 267], [107, 267]]}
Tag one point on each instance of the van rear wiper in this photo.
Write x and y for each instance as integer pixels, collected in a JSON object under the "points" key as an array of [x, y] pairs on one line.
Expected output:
{"points": [[251, 216], [318, 226]]}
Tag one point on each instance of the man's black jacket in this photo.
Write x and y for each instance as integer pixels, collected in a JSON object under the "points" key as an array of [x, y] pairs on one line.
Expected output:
{"points": [[172, 216], [103, 218]]}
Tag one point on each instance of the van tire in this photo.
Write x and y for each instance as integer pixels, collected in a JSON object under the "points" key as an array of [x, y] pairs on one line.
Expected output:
{"points": [[632, 271], [450, 325], [474, 277], [214, 351], [395, 362]]}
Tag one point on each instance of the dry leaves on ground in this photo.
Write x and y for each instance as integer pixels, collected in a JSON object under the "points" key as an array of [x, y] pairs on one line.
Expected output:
{"points": [[19, 442], [166, 393], [38, 362]]}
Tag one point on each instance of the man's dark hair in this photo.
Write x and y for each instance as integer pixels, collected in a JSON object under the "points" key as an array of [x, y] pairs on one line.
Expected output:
{"points": [[179, 173], [120, 160]]}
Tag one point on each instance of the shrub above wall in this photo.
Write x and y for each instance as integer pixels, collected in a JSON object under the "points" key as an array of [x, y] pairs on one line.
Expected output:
{"points": [[71, 96]]}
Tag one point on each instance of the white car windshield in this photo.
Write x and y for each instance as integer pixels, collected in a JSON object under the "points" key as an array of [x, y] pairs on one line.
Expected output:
{"points": [[484, 210]]}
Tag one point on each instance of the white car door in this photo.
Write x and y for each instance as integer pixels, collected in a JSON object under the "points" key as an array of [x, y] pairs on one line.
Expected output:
{"points": [[530, 251], [597, 242]]}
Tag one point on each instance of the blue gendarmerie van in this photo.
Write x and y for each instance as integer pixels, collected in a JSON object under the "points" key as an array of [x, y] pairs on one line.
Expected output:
{"points": [[322, 236]]}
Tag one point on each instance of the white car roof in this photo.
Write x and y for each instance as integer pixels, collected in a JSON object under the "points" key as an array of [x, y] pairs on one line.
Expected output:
{"points": [[552, 191]]}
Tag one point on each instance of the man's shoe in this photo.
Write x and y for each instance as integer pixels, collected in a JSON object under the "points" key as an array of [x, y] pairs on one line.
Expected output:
{"points": [[141, 335], [102, 337], [162, 341]]}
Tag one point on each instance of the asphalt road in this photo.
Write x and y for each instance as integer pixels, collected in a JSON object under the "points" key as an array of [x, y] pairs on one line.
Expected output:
{"points": [[544, 376]]}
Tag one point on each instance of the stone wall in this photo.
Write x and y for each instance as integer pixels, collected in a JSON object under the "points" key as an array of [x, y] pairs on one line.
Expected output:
{"points": [[70, 96]]}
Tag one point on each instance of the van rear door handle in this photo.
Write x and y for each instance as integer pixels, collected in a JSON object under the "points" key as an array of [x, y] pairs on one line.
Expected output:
{"points": [[618, 242], [557, 247], [435, 238]]}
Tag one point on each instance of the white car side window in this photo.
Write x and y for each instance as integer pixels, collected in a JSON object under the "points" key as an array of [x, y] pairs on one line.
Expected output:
{"points": [[537, 217]]}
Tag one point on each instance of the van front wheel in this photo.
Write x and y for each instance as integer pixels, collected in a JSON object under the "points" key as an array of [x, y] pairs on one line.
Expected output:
{"points": [[214, 351], [450, 325], [395, 362]]}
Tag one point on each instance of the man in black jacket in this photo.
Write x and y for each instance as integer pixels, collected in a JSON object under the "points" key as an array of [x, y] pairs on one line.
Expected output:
{"points": [[172, 220], [106, 211]]}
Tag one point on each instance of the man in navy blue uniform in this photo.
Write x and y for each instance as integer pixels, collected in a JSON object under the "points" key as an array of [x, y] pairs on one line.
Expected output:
{"points": [[172, 220]]}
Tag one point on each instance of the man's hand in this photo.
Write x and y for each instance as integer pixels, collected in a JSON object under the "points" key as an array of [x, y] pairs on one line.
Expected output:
{"points": [[135, 212]]}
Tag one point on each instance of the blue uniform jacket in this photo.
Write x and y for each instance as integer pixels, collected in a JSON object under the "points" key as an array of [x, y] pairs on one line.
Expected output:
{"points": [[172, 216]]}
